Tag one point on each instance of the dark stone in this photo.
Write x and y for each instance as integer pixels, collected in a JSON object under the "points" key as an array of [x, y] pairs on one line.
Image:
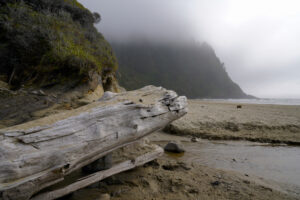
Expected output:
{"points": [[174, 148], [215, 183], [98, 165]]}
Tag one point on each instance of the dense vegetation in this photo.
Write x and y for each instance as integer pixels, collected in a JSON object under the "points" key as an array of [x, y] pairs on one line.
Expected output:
{"points": [[45, 42], [190, 69]]}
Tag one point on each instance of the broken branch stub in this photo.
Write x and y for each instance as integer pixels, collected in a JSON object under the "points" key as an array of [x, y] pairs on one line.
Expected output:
{"points": [[40, 153]]}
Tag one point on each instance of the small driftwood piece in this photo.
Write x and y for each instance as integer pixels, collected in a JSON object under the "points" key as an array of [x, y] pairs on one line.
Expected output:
{"points": [[40, 153], [98, 176]]}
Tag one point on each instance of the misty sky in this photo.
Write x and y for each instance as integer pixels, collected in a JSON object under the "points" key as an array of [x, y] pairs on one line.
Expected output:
{"points": [[258, 40]]}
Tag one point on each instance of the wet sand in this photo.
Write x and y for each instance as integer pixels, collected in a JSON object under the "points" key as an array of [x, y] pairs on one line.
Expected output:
{"points": [[278, 163], [205, 171], [253, 122], [218, 168]]}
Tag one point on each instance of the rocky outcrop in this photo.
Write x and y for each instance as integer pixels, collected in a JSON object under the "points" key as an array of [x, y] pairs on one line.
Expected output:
{"points": [[41, 153]]}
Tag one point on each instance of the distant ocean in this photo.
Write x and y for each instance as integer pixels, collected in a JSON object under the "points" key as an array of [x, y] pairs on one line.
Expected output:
{"points": [[260, 101]]}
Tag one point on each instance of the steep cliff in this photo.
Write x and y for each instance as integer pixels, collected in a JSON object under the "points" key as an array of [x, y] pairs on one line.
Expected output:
{"points": [[191, 69]]}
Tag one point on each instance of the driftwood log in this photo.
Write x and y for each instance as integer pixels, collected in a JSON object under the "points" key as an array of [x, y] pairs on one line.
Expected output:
{"points": [[40, 153], [95, 177]]}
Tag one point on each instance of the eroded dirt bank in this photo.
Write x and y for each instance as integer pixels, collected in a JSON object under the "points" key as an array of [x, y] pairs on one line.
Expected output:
{"points": [[224, 121]]}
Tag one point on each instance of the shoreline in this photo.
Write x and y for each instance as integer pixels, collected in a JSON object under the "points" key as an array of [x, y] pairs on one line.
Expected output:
{"points": [[276, 124], [174, 176]]}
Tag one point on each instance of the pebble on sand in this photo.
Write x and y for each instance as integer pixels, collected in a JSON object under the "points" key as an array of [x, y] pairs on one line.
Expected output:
{"points": [[174, 148]]}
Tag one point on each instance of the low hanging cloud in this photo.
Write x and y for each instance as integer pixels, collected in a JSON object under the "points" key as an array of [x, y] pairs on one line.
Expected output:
{"points": [[257, 40]]}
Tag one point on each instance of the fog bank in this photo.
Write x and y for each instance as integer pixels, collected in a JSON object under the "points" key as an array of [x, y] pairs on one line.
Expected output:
{"points": [[257, 40]]}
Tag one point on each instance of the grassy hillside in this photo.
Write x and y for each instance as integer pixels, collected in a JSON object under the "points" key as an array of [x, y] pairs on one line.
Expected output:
{"points": [[48, 42], [193, 70]]}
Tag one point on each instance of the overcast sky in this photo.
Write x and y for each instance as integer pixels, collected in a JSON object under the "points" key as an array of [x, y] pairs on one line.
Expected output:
{"points": [[258, 40]]}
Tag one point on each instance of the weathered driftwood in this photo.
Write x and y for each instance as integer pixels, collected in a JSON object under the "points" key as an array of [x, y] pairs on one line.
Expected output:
{"points": [[98, 176], [40, 153]]}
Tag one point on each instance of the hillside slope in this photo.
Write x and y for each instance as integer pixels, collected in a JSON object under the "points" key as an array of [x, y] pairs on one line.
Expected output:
{"points": [[44, 43], [191, 69], [52, 58]]}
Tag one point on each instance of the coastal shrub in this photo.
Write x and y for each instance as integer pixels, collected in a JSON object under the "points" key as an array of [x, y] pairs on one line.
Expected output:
{"points": [[58, 37]]}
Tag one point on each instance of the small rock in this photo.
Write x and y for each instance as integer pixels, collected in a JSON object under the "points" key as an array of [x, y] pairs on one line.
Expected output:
{"points": [[194, 139], [215, 183], [246, 181], [234, 160], [174, 148], [239, 106]]}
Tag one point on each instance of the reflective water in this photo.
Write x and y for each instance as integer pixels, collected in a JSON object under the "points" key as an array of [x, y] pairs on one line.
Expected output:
{"points": [[278, 163]]}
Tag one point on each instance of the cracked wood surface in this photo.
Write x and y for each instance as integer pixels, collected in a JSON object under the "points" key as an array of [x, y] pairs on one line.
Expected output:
{"points": [[98, 176], [40, 153]]}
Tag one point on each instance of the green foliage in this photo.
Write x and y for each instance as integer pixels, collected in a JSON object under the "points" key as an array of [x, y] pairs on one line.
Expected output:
{"points": [[38, 38], [190, 69]]}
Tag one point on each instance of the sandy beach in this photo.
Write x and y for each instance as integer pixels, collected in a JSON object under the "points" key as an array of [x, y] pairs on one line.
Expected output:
{"points": [[180, 176], [253, 122], [212, 169]]}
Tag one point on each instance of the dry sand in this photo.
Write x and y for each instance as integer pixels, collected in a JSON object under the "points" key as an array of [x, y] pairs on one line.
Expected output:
{"points": [[262, 123]]}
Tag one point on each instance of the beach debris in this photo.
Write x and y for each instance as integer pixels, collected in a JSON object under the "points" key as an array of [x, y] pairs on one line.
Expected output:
{"points": [[41, 153], [239, 106], [174, 147]]}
